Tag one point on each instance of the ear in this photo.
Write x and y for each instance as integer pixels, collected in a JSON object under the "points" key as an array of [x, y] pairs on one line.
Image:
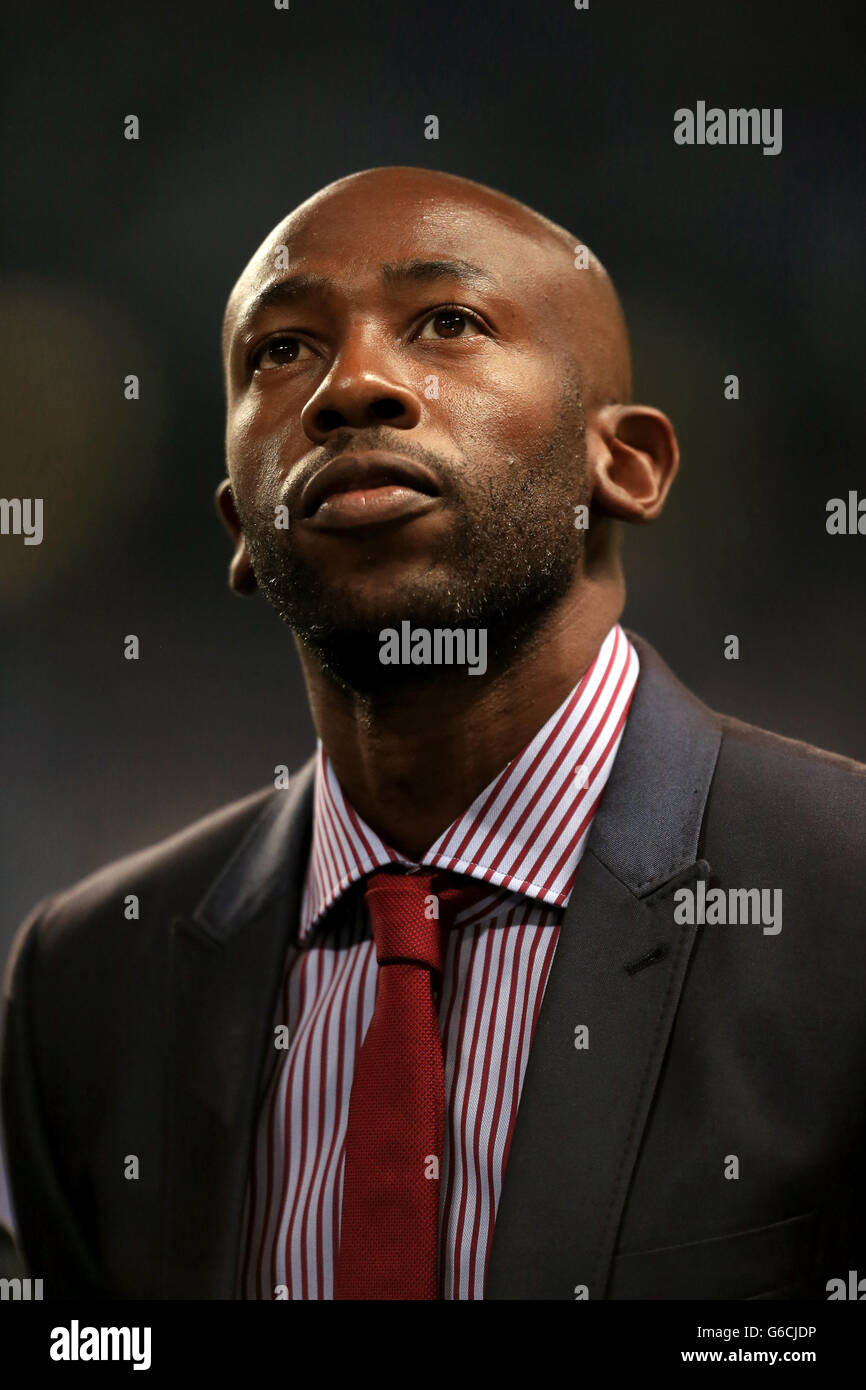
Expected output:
{"points": [[241, 577], [636, 457]]}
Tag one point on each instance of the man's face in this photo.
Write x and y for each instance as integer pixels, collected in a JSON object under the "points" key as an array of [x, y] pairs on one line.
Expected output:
{"points": [[419, 324]]}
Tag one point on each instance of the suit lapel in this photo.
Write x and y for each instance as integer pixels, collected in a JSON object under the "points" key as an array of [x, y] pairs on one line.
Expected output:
{"points": [[618, 970], [226, 966]]}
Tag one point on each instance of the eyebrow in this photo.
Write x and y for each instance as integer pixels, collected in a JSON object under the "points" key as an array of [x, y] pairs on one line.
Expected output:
{"points": [[283, 292]]}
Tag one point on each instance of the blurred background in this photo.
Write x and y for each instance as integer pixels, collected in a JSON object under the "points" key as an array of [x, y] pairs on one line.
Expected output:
{"points": [[118, 257]]}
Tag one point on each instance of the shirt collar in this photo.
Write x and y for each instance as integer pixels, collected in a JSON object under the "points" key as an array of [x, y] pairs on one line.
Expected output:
{"points": [[526, 830]]}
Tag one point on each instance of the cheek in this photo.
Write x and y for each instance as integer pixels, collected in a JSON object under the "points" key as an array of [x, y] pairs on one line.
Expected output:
{"points": [[253, 456], [513, 410]]}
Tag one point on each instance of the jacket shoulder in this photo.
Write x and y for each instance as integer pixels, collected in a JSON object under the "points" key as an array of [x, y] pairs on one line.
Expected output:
{"points": [[807, 797], [761, 785], [788, 760], [171, 874]]}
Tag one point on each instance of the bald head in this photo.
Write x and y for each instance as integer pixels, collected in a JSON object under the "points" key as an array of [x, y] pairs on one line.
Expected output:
{"points": [[573, 289]]}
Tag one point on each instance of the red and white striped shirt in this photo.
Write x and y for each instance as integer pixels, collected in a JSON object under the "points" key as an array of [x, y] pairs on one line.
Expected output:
{"points": [[524, 836]]}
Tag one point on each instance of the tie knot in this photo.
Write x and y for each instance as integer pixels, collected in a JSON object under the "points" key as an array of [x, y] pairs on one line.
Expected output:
{"points": [[410, 914]]}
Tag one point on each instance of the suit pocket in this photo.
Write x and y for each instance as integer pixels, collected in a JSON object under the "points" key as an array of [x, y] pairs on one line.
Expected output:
{"points": [[773, 1261]]}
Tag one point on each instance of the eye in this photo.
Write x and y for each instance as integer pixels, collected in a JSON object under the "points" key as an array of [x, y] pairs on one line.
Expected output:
{"points": [[280, 352], [451, 322]]}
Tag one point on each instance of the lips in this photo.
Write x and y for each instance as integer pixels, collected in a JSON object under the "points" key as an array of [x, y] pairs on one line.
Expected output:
{"points": [[362, 473]]}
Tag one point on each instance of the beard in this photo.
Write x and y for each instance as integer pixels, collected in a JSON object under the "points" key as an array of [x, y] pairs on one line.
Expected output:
{"points": [[508, 558]]}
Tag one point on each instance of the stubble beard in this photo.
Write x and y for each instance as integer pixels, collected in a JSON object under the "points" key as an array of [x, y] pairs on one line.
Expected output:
{"points": [[508, 558]]}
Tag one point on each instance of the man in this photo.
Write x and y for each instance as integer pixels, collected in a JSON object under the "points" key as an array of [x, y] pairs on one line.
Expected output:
{"points": [[540, 980]]}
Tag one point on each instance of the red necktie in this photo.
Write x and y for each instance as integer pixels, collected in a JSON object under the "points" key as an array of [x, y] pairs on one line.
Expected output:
{"points": [[390, 1214]]}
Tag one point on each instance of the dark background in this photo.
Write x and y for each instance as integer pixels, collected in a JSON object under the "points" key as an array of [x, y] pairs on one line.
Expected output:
{"points": [[118, 257]]}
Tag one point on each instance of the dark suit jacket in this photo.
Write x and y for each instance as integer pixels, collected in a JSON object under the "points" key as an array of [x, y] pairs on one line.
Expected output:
{"points": [[706, 1043]]}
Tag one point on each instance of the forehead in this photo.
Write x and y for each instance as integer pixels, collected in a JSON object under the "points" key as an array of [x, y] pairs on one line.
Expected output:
{"points": [[348, 235]]}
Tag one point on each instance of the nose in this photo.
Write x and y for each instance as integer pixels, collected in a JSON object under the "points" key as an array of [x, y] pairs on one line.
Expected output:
{"points": [[362, 389]]}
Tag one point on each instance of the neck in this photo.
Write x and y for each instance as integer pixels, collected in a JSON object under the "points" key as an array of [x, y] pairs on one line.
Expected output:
{"points": [[412, 760]]}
